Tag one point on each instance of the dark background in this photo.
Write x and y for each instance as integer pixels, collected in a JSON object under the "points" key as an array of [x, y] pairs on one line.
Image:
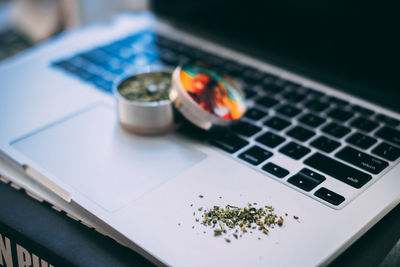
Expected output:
{"points": [[349, 44]]}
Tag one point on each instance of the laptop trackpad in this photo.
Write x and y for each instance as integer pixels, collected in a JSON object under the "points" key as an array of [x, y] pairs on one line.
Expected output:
{"points": [[91, 153]]}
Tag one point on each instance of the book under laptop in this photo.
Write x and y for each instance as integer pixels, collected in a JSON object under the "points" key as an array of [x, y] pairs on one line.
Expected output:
{"points": [[325, 160]]}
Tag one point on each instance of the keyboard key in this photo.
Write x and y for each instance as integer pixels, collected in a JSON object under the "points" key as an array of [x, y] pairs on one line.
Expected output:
{"points": [[270, 139], [277, 123], [289, 85], [336, 130], [337, 101], [233, 68], [98, 56], [255, 114], [197, 54], [302, 90], [300, 133], [312, 174], [281, 82], [362, 160], [142, 39], [272, 88], [170, 58], [364, 124], [110, 62], [104, 85], [325, 144], [275, 170], [186, 50], [361, 141], [340, 114], [78, 61], [387, 151], [214, 61], [295, 151], [164, 41], [316, 105], [294, 97], [269, 78], [329, 196], [338, 170], [313, 93], [362, 110], [267, 101], [288, 110], [228, 142], [189, 51], [255, 155], [66, 66], [84, 75], [302, 182], [311, 120], [387, 120], [249, 92], [96, 70], [306, 179], [245, 128], [389, 134], [122, 52], [252, 76]]}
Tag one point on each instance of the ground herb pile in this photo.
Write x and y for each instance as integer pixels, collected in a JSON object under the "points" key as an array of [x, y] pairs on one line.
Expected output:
{"points": [[240, 220]]}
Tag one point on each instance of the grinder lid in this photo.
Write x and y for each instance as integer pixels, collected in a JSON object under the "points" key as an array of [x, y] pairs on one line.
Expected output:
{"points": [[206, 97]]}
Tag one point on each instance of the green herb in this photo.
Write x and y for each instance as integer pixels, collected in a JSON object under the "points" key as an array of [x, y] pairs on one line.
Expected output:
{"points": [[217, 232], [234, 219], [146, 87]]}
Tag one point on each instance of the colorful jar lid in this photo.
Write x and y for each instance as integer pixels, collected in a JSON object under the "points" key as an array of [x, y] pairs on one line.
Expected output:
{"points": [[206, 97]]}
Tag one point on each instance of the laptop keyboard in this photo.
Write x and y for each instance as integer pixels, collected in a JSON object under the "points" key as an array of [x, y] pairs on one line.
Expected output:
{"points": [[286, 123]]}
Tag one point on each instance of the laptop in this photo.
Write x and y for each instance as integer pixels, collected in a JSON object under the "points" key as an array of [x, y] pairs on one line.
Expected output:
{"points": [[319, 143]]}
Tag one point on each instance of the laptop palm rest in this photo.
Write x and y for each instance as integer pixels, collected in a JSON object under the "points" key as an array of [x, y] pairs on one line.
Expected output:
{"points": [[92, 154]]}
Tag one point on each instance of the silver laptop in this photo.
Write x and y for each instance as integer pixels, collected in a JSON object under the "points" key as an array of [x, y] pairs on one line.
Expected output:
{"points": [[325, 157]]}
